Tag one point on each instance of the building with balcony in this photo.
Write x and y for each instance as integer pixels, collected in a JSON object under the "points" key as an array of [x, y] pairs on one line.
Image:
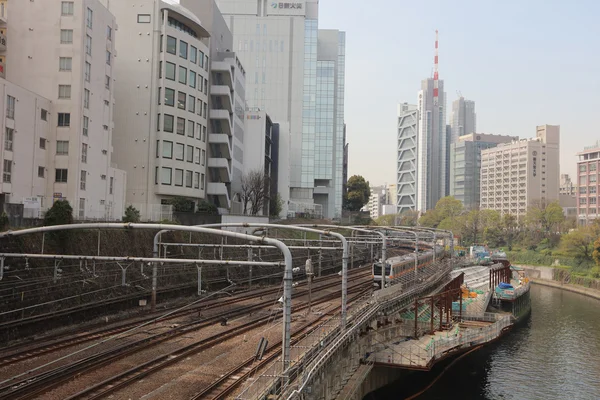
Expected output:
{"points": [[162, 96], [66, 54], [25, 126], [521, 173], [587, 180], [465, 165]]}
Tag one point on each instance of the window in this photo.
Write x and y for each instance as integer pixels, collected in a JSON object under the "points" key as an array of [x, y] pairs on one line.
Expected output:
{"points": [[88, 71], [197, 156], [64, 119], [205, 110], [81, 208], [82, 180], [206, 63], [107, 82], [201, 84], [42, 143], [10, 107], [7, 172], [180, 126], [169, 97], [41, 172], [183, 49], [201, 59], [61, 175], [188, 178], [66, 36], [90, 18], [159, 96], [193, 53], [190, 129], [192, 107], [88, 45], [203, 156], [64, 91], [84, 148], [198, 131], [190, 154], [108, 33], [86, 123], [111, 185], [66, 8], [8, 139], [181, 98], [44, 115], [167, 149], [178, 177], [170, 71], [192, 79], [582, 168], [165, 176], [204, 134], [108, 55], [106, 103], [143, 18], [168, 123], [206, 86], [62, 147], [182, 75], [171, 46], [202, 181], [65, 64], [179, 149], [196, 180], [86, 98]]}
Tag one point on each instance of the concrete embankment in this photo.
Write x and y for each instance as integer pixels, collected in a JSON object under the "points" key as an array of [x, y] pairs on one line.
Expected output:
{"points": [[545, 276]]}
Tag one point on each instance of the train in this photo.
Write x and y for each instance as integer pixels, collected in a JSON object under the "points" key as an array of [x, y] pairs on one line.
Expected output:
{"points": [[400, 265]]}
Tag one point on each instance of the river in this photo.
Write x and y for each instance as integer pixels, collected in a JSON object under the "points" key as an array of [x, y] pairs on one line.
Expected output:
{"points": [[553, 354]]}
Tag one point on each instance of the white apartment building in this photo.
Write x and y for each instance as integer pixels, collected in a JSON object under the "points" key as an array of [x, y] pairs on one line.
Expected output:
{"points": [[25, 127], [406, 162], [516, 175], [162, 95], [431, 146], [277, 43], [65, 52]]}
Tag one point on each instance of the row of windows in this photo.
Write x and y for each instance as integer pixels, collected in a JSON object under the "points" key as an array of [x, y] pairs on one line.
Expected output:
{"points": [[168, 126], [183, 99], [197, 156], [195, 56], [185, 77], [179, 177]]}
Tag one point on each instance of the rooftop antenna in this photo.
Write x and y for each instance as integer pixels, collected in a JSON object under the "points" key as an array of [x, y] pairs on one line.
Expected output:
{"points": [[435, 72]]}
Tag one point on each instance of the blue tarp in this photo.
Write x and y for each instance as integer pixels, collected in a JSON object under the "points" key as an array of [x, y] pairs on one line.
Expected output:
{"points": [[503, 285]]}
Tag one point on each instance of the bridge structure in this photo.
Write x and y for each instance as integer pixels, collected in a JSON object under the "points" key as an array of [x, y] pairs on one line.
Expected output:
{"points": [[361, 344]]}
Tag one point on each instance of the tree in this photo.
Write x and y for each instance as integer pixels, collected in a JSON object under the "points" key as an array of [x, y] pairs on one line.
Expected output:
{"points": [[430, 219], [206, 208], [408, 218], [61, 213], [358, 193], [132, 214], [255, 190], [4, 221], [275, 206], [444, 216], [544, 216], [182, 204], [580, 245], [386, 220]]}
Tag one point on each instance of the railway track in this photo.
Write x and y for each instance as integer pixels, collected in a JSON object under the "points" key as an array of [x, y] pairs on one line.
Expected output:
{"points": [[20, 353], [32, 386]]}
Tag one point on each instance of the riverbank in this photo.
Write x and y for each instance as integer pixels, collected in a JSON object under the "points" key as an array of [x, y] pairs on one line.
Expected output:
{"points": [[545, 276]]}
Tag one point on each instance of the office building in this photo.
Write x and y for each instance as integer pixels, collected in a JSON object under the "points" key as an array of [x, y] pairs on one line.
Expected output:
{"points": [[463, 120], [392, 194], [587, 180], [280, 47], [162, 91], [259, 142], [431, 144], [465, 165], [25, 128], [406, 162], [345, 165], [323, 150], [447, 176], [567, 186], [377, 200], [65, 52], [517, 175]]}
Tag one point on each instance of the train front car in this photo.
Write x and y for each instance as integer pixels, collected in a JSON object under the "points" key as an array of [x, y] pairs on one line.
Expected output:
{"points": [[377, 273]]}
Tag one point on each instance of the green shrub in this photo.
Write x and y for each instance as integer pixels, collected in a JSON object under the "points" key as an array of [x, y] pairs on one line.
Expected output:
{"points": [[132, 214]]}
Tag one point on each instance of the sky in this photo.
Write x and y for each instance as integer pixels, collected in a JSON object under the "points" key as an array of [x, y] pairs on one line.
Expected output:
{"points": [[524, 63]]}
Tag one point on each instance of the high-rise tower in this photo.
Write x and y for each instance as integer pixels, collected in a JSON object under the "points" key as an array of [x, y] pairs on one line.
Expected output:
{"points": [[463, 119], [432, 140]]}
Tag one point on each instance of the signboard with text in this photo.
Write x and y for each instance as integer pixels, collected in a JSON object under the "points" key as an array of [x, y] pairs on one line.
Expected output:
{"points": [[286, 8]]}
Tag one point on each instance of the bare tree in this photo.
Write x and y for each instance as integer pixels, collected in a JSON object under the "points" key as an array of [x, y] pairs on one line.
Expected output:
{"points": [[255, 191]]}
